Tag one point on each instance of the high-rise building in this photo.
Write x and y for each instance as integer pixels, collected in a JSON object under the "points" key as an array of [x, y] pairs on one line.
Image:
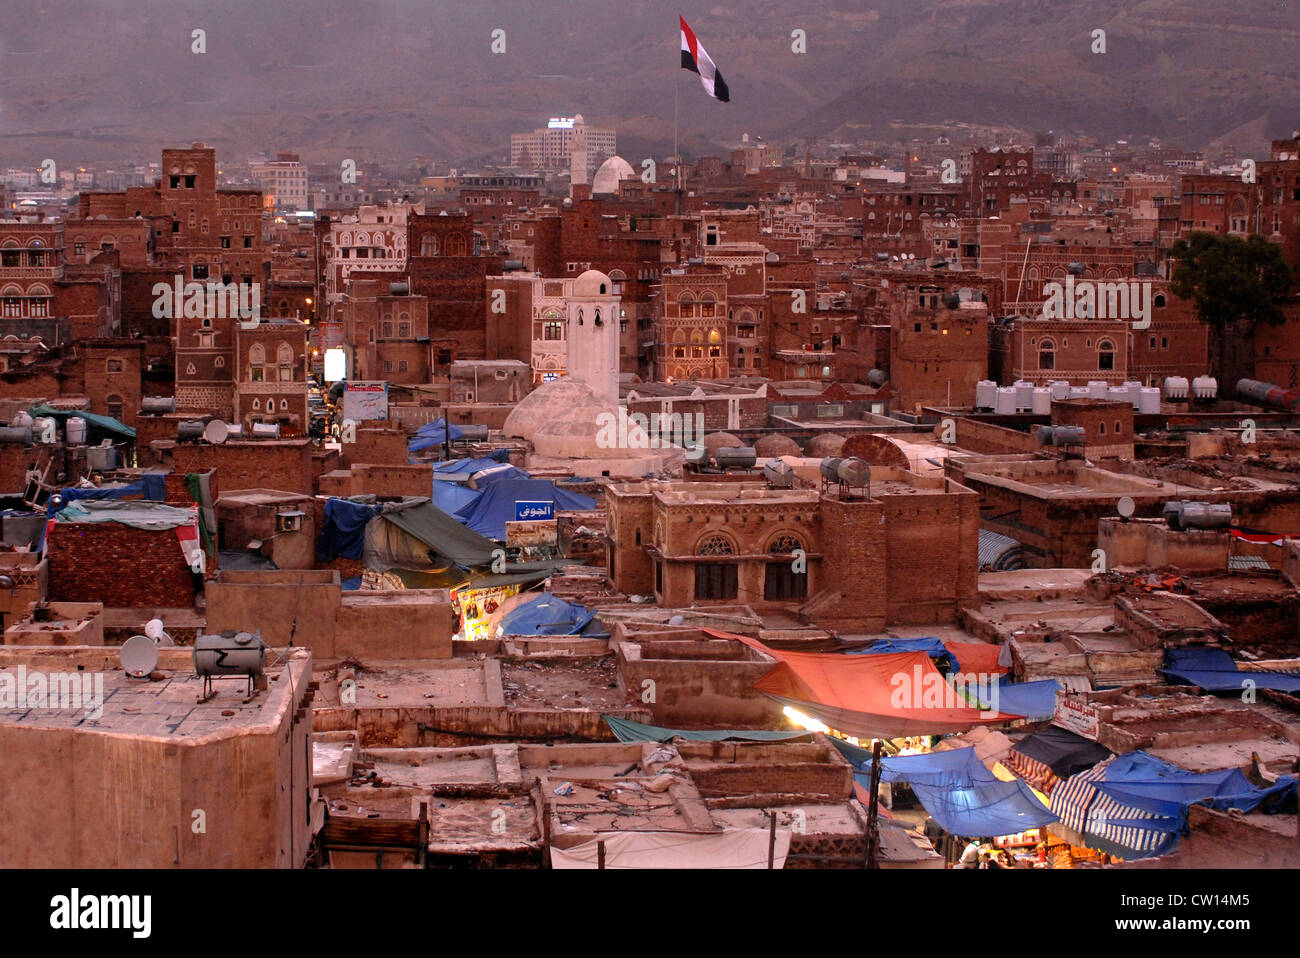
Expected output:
{"points": [[551, 147]]}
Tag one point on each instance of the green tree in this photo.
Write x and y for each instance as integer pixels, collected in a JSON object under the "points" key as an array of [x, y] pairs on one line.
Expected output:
{"points": [[1235, 284]]}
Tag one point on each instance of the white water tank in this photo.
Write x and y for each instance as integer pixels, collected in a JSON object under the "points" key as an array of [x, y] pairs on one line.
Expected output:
{"points": [[1024, 394], [1098, 390], [1176, 387], [1149, 401], [1060, 389], [76, 431], [1005, 403], [986, 394], [22, 419], [1117, 394], [1042, 401], [1134, 392], [1080, 392], [1205, 387]]}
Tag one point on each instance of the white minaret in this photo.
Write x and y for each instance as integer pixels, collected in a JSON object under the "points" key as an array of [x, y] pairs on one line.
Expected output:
{"points": [[592, 333], [578, 154]]}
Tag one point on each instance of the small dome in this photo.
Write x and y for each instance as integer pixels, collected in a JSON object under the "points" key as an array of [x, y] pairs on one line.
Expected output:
{"points": [[565, 419], [825, 444], [721, 440], [591, 284], [774, 446], [611, 171]]}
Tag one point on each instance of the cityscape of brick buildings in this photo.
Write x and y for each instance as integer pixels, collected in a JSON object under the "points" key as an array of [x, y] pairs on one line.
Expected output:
{"points": [[474, 499]]}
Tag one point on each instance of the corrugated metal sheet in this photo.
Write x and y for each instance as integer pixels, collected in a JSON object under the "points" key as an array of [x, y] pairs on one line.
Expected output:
{"points": [[1000, 553]]}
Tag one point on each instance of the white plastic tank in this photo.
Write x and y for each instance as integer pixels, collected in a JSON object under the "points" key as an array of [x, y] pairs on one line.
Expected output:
{"points": [[1176, 387], [1080, 392], [1060, 389], [1149, 401], [1005, 404], [76, 431], [22, 419], [1042, 401], [1098, 390], [1117, 394], [1205, 387], [1024, 394], [1134, 392], [986, 394]]}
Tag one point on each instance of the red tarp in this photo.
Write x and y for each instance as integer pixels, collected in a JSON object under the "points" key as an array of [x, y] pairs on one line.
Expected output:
{"points": [[869, 696]]}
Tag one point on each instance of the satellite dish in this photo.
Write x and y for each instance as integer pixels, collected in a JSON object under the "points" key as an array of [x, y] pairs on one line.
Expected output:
{"points": [[677, 620], [56, 501], [154, 630], [139, 655], [1125, 506], [216, 432]]}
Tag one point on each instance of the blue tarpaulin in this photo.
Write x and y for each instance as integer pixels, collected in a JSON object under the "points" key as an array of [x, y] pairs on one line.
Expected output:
{"points": [[550, 615], [433, 434], [466, 467], [1215, 671], [1135, 805], [150, 486], [489, 513], [625, 730], [958, 790], [1033, 700], [930, 646], [343, 529], [452, 496]]}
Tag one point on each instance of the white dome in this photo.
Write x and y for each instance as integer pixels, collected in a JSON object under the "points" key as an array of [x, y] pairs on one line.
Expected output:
{"points": [[592, 284], [611, 171]]}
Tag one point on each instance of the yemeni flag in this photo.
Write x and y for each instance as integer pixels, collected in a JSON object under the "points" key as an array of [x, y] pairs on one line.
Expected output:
{"points": [[696, 59]]}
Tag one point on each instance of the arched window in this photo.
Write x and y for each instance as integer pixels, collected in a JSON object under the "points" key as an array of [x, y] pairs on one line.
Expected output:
{"points": [[429, 245], [284, 353], [716, 545], [1046, 354], [257, 354], [1105, 354], [455, 245], [113, 405]]}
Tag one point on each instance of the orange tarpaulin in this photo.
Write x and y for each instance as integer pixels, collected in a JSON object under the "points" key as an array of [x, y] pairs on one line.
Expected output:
{"points": [[869, 696], [981, 657]]}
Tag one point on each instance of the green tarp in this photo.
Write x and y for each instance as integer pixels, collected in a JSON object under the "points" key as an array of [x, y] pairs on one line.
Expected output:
{"points": [[443, 534], [106, 423], [628, 731]]}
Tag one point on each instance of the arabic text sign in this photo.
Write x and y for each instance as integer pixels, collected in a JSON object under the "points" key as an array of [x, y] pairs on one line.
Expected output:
{"points": [[543, 532], [528, 511], [1077, 716], [365, 401]]}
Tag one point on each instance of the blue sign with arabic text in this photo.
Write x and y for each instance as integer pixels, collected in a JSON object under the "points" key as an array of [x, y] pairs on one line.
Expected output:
{"points": [[534, 510]]}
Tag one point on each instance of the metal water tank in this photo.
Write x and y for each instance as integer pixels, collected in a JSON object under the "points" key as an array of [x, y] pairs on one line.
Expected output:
{"points": [[230, 653], [473, 433], [1176, 388], [1205, 387], [986, 394], [1184, 514], [1042, 401], [21, 434], [158, 404], [1149, 401], [779, 474], [735, 457], [1005, 402], [877, 378], [101, 458], [234, 431], [190, 429], [266, 430], [1061, 435], [830, 468], [76, 431], [853, 471], [22, 420]]}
